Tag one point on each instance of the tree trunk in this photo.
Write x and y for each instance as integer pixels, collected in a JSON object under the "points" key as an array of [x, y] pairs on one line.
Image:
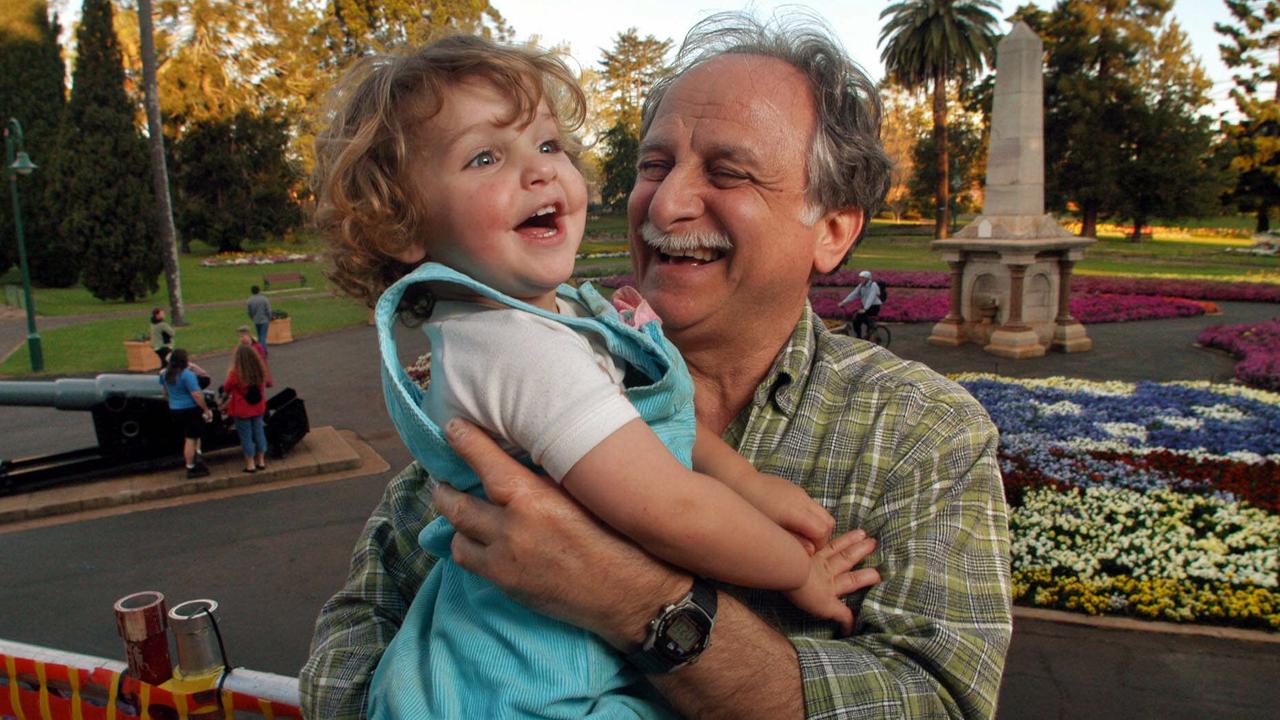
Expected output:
{"points": [[1264, 219], [159, 169], [1138, 224], [942, 194], [1089, 221]]}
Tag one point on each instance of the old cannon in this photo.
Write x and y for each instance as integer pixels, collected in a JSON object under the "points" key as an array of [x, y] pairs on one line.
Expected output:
{"points": [[134, 429]]}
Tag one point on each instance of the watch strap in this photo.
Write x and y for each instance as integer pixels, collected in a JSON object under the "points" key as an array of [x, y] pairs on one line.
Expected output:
{"points": [[647, 659]]}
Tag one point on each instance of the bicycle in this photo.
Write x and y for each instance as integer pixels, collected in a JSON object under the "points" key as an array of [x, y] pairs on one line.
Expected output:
{"points": [[876, 333]]}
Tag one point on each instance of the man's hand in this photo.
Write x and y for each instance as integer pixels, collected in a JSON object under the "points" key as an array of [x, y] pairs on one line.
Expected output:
{"points": [[832, 576], [544, 550]]}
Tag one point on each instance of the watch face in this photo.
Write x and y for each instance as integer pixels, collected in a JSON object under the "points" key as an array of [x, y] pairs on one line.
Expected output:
{"points": [[684, 634]]}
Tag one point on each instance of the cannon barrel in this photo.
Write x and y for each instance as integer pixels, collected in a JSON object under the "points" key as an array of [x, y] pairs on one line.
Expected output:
{"points": [[79, 393]]}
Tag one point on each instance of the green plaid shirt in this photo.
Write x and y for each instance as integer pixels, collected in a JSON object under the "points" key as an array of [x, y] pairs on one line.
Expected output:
{"points": [[884, 444]]}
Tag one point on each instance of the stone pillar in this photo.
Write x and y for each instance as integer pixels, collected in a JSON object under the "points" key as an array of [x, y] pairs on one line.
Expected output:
{"points": [[955, 314], [1068, 335], [1014, 339], [1064, 292], [1016, 275], [950, 330]]}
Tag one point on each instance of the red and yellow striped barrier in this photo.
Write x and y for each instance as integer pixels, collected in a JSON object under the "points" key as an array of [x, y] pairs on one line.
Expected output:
{"points": [[38, 683]]}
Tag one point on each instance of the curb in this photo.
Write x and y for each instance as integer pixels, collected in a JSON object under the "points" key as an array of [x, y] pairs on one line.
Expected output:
{"points": [[1104, 622], [324, 450]]}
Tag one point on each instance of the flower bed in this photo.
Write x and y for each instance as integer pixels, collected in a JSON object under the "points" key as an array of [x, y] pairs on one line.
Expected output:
{"points": [[921, 296], [1155, 500], [1257, 346], [911, 305], [269, 256], [1086, 285], [603, 254]]}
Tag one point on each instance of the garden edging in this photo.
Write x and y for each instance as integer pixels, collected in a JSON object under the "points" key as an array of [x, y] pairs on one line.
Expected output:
{"points": [[1111, 622]]}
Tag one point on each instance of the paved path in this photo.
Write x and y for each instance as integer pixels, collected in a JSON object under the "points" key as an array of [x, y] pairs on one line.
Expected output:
{"points": [[270, 559]]}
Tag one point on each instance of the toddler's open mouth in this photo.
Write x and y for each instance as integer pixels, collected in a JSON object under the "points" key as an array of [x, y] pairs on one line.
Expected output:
{"points": [[542, 223]]}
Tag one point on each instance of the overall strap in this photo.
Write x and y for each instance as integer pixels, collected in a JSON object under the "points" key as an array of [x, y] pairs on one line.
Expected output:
{"points": [[644, 349]]}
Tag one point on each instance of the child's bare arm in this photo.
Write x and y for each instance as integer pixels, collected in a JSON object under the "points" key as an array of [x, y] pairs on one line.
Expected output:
{"points": [[633, 483], [780, 500]]}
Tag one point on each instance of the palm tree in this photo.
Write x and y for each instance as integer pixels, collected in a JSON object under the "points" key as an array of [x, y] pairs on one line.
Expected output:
{"points": [[927, 42]]}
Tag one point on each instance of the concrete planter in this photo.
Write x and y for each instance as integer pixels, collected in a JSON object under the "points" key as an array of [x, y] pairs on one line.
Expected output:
{"points": [[280, 331], [140, 355]]}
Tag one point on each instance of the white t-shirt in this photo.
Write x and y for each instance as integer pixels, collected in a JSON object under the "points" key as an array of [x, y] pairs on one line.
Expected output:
{"points": [[540, 388]]}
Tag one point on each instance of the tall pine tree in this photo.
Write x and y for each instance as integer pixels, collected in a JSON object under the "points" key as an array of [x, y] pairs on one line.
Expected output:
{"points": [[107, 194], [627, 72], [32, 90], [1252, 50], [1123, 132]]}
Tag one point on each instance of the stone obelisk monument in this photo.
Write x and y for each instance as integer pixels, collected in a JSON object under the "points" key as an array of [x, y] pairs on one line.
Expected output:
{"points": [[1011, 266]]}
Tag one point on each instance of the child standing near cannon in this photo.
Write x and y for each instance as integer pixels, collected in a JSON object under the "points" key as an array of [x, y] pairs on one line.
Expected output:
{"points": [[448, 190]]}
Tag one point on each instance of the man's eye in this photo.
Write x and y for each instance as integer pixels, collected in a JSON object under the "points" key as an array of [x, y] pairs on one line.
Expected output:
{"points": [[723, 176], [652, 169], [482, 159], [549, 146]]}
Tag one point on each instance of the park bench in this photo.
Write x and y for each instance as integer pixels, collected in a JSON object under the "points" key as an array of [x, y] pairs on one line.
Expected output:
{"points": [[279, 278]]}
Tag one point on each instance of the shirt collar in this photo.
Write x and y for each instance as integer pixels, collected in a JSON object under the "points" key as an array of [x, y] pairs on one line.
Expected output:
{"points": [[786, 379]]}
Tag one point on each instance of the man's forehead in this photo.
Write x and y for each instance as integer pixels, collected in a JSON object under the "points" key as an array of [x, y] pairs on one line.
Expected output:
{"points": [[731, 103]]}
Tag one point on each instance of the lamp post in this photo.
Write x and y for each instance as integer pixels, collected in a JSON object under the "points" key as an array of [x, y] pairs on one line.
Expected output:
{"points": [[20, 164]]}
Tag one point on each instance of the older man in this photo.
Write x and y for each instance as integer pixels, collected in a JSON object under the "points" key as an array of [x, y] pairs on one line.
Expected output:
{"points": [[758, 163]]}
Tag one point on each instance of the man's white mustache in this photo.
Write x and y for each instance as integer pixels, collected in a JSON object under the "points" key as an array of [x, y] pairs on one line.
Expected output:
{"points": [[693, 240]]}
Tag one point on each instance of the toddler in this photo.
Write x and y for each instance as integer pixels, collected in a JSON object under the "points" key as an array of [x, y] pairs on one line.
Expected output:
{"points": [[448, 189]]}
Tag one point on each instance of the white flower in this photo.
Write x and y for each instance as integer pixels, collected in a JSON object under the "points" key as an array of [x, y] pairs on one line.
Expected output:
{"points": [[1062, 407], [1221, 411], [1181, 423], [1124, 430]]}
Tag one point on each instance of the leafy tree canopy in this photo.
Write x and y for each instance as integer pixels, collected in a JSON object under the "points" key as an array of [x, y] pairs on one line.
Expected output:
{"points": [[927, 43], [233, 182], [628, 70], [32, 91], [1251, 147], [105, 186], [1124, 134]]}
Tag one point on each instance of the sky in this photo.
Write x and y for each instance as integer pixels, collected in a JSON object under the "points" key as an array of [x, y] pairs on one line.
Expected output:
{"points": [[589, 26]]}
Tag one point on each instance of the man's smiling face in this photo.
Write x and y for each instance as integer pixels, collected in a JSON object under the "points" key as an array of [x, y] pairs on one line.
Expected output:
{"points": [[720, 193]]}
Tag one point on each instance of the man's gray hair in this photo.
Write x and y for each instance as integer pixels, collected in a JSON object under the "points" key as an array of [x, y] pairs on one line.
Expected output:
{"points": [[847, 164]]}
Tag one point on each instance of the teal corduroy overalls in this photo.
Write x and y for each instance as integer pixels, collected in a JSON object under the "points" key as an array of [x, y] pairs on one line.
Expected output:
{"points": [[465, 650]]}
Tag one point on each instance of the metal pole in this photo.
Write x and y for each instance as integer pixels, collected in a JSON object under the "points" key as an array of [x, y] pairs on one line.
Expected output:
{"points": [[33, 337]]}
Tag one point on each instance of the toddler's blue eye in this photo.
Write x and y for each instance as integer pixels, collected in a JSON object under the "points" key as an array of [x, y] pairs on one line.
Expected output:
{"points": [[549, 146], [483, 159]]}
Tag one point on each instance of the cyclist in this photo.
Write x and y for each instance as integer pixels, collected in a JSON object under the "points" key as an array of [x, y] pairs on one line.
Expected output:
{"points": [[867, 293]]}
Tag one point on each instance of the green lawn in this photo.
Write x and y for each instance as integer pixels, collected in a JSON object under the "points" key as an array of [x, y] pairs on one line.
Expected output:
{"points": [[199, 285], [97, 346], [1187, 251]]}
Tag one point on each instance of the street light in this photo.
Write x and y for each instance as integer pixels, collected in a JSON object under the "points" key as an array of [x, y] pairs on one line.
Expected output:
{"points": [[22, 165]]}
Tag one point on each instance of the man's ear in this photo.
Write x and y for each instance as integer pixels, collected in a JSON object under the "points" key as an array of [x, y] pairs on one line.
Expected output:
{"points": [[838, 232]]}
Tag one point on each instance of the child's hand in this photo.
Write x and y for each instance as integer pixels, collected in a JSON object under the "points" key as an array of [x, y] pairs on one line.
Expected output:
{"points": [[792, 508], [831, 577]]}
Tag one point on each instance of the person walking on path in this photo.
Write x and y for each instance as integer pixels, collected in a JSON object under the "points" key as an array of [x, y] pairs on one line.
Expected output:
{"points": [[161, 336], [259, 308], [245, 402], [186, 404]]}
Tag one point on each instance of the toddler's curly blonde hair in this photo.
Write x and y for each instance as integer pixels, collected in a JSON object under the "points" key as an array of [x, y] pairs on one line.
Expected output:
{"points": [[368, 207]]}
